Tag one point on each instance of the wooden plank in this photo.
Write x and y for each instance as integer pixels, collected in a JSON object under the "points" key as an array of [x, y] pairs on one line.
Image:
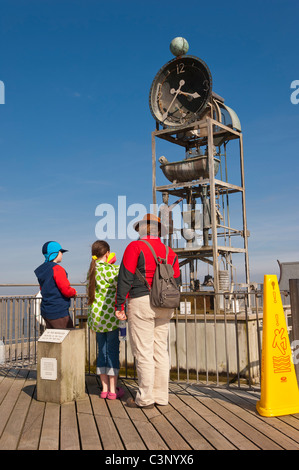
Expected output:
{"points": [[7, 380], [99, 406], [213, 413], [116, 409], [89, 436], [212, 439], [215, 429], [251, 417], [193, 413], [69, 436], [176, 413], [130, 437], [30, 434], [196, 418], [90, 439], [195, 440], [3, 374], [148, 433], [32, 428], [232, 415], [49, 439], [150, 436], [168, 433], [172, 438], [15, 384], [108, 433], [287, 434], [13, 429], [142, 421], [292, 420]]}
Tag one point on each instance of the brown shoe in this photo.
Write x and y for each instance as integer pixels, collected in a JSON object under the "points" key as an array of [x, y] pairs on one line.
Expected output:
{"points": [[131, 404]]}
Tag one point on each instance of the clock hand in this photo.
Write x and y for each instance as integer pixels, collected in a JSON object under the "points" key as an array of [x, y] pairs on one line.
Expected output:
{"points": [[172, 91], [193, 95]]}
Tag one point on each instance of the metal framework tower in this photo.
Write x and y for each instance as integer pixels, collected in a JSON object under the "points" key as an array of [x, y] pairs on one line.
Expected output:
{"points": [[202, 178]]}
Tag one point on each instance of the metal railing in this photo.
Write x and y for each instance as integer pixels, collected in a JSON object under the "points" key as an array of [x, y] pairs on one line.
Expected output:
{"points": [[213, 338], [222, 344]]}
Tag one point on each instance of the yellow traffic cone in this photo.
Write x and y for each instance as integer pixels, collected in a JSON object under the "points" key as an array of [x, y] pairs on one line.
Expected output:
{"points": [[279, 387]]}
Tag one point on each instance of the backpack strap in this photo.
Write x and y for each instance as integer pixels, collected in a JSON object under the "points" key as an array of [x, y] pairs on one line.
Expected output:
{"points": [[153, 251], [142, 278], [138, 273], [175, 258]]}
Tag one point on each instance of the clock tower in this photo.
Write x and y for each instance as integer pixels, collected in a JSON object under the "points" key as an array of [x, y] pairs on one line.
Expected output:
{"points": [[207, 184]]}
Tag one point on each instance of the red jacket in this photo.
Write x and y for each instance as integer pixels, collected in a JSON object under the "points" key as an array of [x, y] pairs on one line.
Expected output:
{"points": [[138, 255]]}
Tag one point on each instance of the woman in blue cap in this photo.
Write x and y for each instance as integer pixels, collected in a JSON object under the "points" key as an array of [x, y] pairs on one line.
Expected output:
{"points": [[55, 288]]}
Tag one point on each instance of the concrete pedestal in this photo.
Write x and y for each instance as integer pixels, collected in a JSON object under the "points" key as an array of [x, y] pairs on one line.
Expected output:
{"points": [[61, 366]]}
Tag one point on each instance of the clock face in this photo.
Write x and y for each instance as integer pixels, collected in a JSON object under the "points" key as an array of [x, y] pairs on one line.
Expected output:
{"points": [[180, 91]]}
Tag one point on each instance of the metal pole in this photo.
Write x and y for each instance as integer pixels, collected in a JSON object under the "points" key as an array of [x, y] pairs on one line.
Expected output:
{"points": [[154, 172], [213, 210], [245, 232]]}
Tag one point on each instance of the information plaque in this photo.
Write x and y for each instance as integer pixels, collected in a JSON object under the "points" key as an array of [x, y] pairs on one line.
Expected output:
{"points": [[53, 336], [48, 368]]}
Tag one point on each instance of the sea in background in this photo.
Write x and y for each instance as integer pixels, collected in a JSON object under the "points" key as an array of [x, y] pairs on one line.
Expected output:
{"points": [[32, 290], [20, 319]]}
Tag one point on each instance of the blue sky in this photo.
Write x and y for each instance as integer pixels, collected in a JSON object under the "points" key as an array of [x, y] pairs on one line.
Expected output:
{"points": [[76, 126]]}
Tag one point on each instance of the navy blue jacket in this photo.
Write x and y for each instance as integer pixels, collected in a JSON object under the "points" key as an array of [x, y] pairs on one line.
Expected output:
{"points": [[55, 289]]}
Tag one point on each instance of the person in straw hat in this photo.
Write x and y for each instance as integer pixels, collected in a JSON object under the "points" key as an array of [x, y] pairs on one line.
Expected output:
{"points": [[148, 326]]}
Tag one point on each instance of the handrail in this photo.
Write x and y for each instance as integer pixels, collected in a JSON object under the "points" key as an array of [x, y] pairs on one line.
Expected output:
{"points": [[37, 285], [201, 342]]}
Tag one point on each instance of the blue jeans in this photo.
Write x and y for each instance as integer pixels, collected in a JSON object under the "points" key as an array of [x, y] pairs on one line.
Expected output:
{"points": [[108, 352]]}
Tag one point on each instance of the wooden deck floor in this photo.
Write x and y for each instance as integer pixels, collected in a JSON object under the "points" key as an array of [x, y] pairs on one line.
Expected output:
{"points": [[197, 418]]}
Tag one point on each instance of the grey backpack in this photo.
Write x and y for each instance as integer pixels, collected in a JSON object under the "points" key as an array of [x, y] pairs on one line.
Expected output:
{"points": [[164, 293]]}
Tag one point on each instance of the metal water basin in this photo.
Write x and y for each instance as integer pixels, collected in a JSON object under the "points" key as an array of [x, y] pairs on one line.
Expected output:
{"points": [[189, 169]]}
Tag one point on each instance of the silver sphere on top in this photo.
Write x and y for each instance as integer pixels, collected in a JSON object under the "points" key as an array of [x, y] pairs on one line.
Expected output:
{"points": [[179, 46]]}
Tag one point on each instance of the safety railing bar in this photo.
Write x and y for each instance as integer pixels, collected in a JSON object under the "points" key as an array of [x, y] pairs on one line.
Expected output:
{"points": [[205, 336], [215, 343], [226, 344], [247, 342], [196, 338]]}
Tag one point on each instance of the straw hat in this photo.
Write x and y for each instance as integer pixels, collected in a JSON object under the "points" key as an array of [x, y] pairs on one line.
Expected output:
{"points": [[151, 219]]}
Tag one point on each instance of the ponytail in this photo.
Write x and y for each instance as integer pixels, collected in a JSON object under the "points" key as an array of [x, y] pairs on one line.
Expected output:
{"points": [[98, 250], [91, 282]]}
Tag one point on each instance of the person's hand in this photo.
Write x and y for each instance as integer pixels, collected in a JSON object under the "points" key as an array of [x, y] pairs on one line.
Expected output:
{"points": [[120, 314]]}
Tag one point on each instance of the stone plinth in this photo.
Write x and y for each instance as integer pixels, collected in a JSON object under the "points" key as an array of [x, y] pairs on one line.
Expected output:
{"points": [[61, 365]]}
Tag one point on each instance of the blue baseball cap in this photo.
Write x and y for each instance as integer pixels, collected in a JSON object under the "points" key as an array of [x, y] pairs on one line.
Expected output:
{"points": [[50, 250]]}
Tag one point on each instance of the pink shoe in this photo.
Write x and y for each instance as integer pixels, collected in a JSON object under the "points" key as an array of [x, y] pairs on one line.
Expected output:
{"points": [[119, 393], [104, 394]]}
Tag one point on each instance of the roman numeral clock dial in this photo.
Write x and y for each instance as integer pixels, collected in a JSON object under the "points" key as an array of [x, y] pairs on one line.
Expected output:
{"points": [[180, 91]]}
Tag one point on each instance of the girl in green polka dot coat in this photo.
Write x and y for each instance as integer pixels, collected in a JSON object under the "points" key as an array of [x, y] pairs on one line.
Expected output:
{"points": [[102, 283]]}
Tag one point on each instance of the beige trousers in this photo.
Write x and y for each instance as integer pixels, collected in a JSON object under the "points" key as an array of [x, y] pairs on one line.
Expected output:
{"points": [[148, 332]]}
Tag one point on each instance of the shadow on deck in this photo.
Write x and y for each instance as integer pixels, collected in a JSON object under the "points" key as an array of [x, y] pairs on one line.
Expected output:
{"points": [[196, 418]]}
